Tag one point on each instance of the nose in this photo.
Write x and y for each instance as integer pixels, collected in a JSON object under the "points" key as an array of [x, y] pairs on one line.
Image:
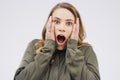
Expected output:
{"points": [[62, 28]]}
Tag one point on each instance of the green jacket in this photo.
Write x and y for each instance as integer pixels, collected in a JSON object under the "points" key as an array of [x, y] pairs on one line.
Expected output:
{"points": [[72, 63]]}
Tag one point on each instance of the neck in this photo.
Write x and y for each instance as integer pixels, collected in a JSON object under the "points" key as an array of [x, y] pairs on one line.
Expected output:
{"points": [[60, 47]]}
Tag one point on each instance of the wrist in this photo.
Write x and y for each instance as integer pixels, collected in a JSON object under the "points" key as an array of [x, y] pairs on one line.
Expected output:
{"points": [[49, 43], [72, 43]]}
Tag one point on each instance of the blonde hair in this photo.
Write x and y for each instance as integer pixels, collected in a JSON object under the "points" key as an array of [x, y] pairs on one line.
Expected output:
{"points": [[76, 14]]}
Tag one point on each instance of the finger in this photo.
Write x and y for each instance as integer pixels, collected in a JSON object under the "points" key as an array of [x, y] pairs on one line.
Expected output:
{"points": [[77, 25], [52, 27], [74, 29], [48, 26], [73, 32]]}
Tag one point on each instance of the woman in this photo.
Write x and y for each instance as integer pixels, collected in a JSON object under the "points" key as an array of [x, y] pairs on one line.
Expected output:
{"points": [[61, 54]]}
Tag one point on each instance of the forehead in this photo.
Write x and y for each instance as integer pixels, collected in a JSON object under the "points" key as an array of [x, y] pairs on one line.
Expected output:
{"points": [[63, 13]]}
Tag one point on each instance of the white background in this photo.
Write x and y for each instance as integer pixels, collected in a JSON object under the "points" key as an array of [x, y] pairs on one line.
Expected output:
{"points": [[22, 21]]}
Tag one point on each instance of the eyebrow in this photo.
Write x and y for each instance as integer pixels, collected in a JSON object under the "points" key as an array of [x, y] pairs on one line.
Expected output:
{"points": [[69, 20], [57, 18], [65, 20]]}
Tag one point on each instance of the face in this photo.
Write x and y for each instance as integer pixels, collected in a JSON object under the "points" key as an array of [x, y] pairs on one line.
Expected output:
{"points": [[64, 21]]}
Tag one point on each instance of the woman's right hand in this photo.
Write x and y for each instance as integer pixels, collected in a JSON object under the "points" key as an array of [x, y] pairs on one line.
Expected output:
{"points": [[50, 29]]}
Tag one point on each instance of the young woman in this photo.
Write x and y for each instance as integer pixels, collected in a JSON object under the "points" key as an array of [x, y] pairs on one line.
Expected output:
{"points": [[61, 54]]}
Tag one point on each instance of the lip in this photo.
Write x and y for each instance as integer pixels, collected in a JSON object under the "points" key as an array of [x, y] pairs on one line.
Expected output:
{"points": [[58, 42]]}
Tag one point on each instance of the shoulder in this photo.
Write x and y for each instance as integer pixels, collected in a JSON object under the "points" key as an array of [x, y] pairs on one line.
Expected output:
{"points": [[85, 46], [87, 49], [37, 45], [34, 41]]}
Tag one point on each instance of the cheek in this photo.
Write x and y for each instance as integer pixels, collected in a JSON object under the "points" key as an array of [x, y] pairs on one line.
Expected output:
{"points": [[69, 31], [56, 30]]}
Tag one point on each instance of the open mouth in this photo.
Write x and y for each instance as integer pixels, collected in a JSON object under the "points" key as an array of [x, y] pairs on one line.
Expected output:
{"points": [[60, 38]]}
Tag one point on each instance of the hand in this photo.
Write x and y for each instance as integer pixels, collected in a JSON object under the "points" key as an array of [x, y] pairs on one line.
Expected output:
{"points": [[50, 29], [75, 30]]}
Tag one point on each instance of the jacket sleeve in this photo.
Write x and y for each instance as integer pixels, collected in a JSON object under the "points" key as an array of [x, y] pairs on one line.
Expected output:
{"points": [[32, 66], [81, 63]]}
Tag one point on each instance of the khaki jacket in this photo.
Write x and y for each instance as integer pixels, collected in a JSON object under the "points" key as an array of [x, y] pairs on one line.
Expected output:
{"points": [[73, 63]]}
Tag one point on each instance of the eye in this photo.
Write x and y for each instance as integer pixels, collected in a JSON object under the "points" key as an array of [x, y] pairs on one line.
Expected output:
{"points": [[56, 21], [69, 23]]}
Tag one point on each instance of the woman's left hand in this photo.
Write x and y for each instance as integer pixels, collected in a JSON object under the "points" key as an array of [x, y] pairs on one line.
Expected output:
{"points": [[75, 30]]}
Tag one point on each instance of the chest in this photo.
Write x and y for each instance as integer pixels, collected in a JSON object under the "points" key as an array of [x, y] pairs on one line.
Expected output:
{"points": [[57, 70]]}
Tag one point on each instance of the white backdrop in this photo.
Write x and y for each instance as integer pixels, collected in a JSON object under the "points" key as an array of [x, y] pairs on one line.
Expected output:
{"points": [[22, 21]]}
